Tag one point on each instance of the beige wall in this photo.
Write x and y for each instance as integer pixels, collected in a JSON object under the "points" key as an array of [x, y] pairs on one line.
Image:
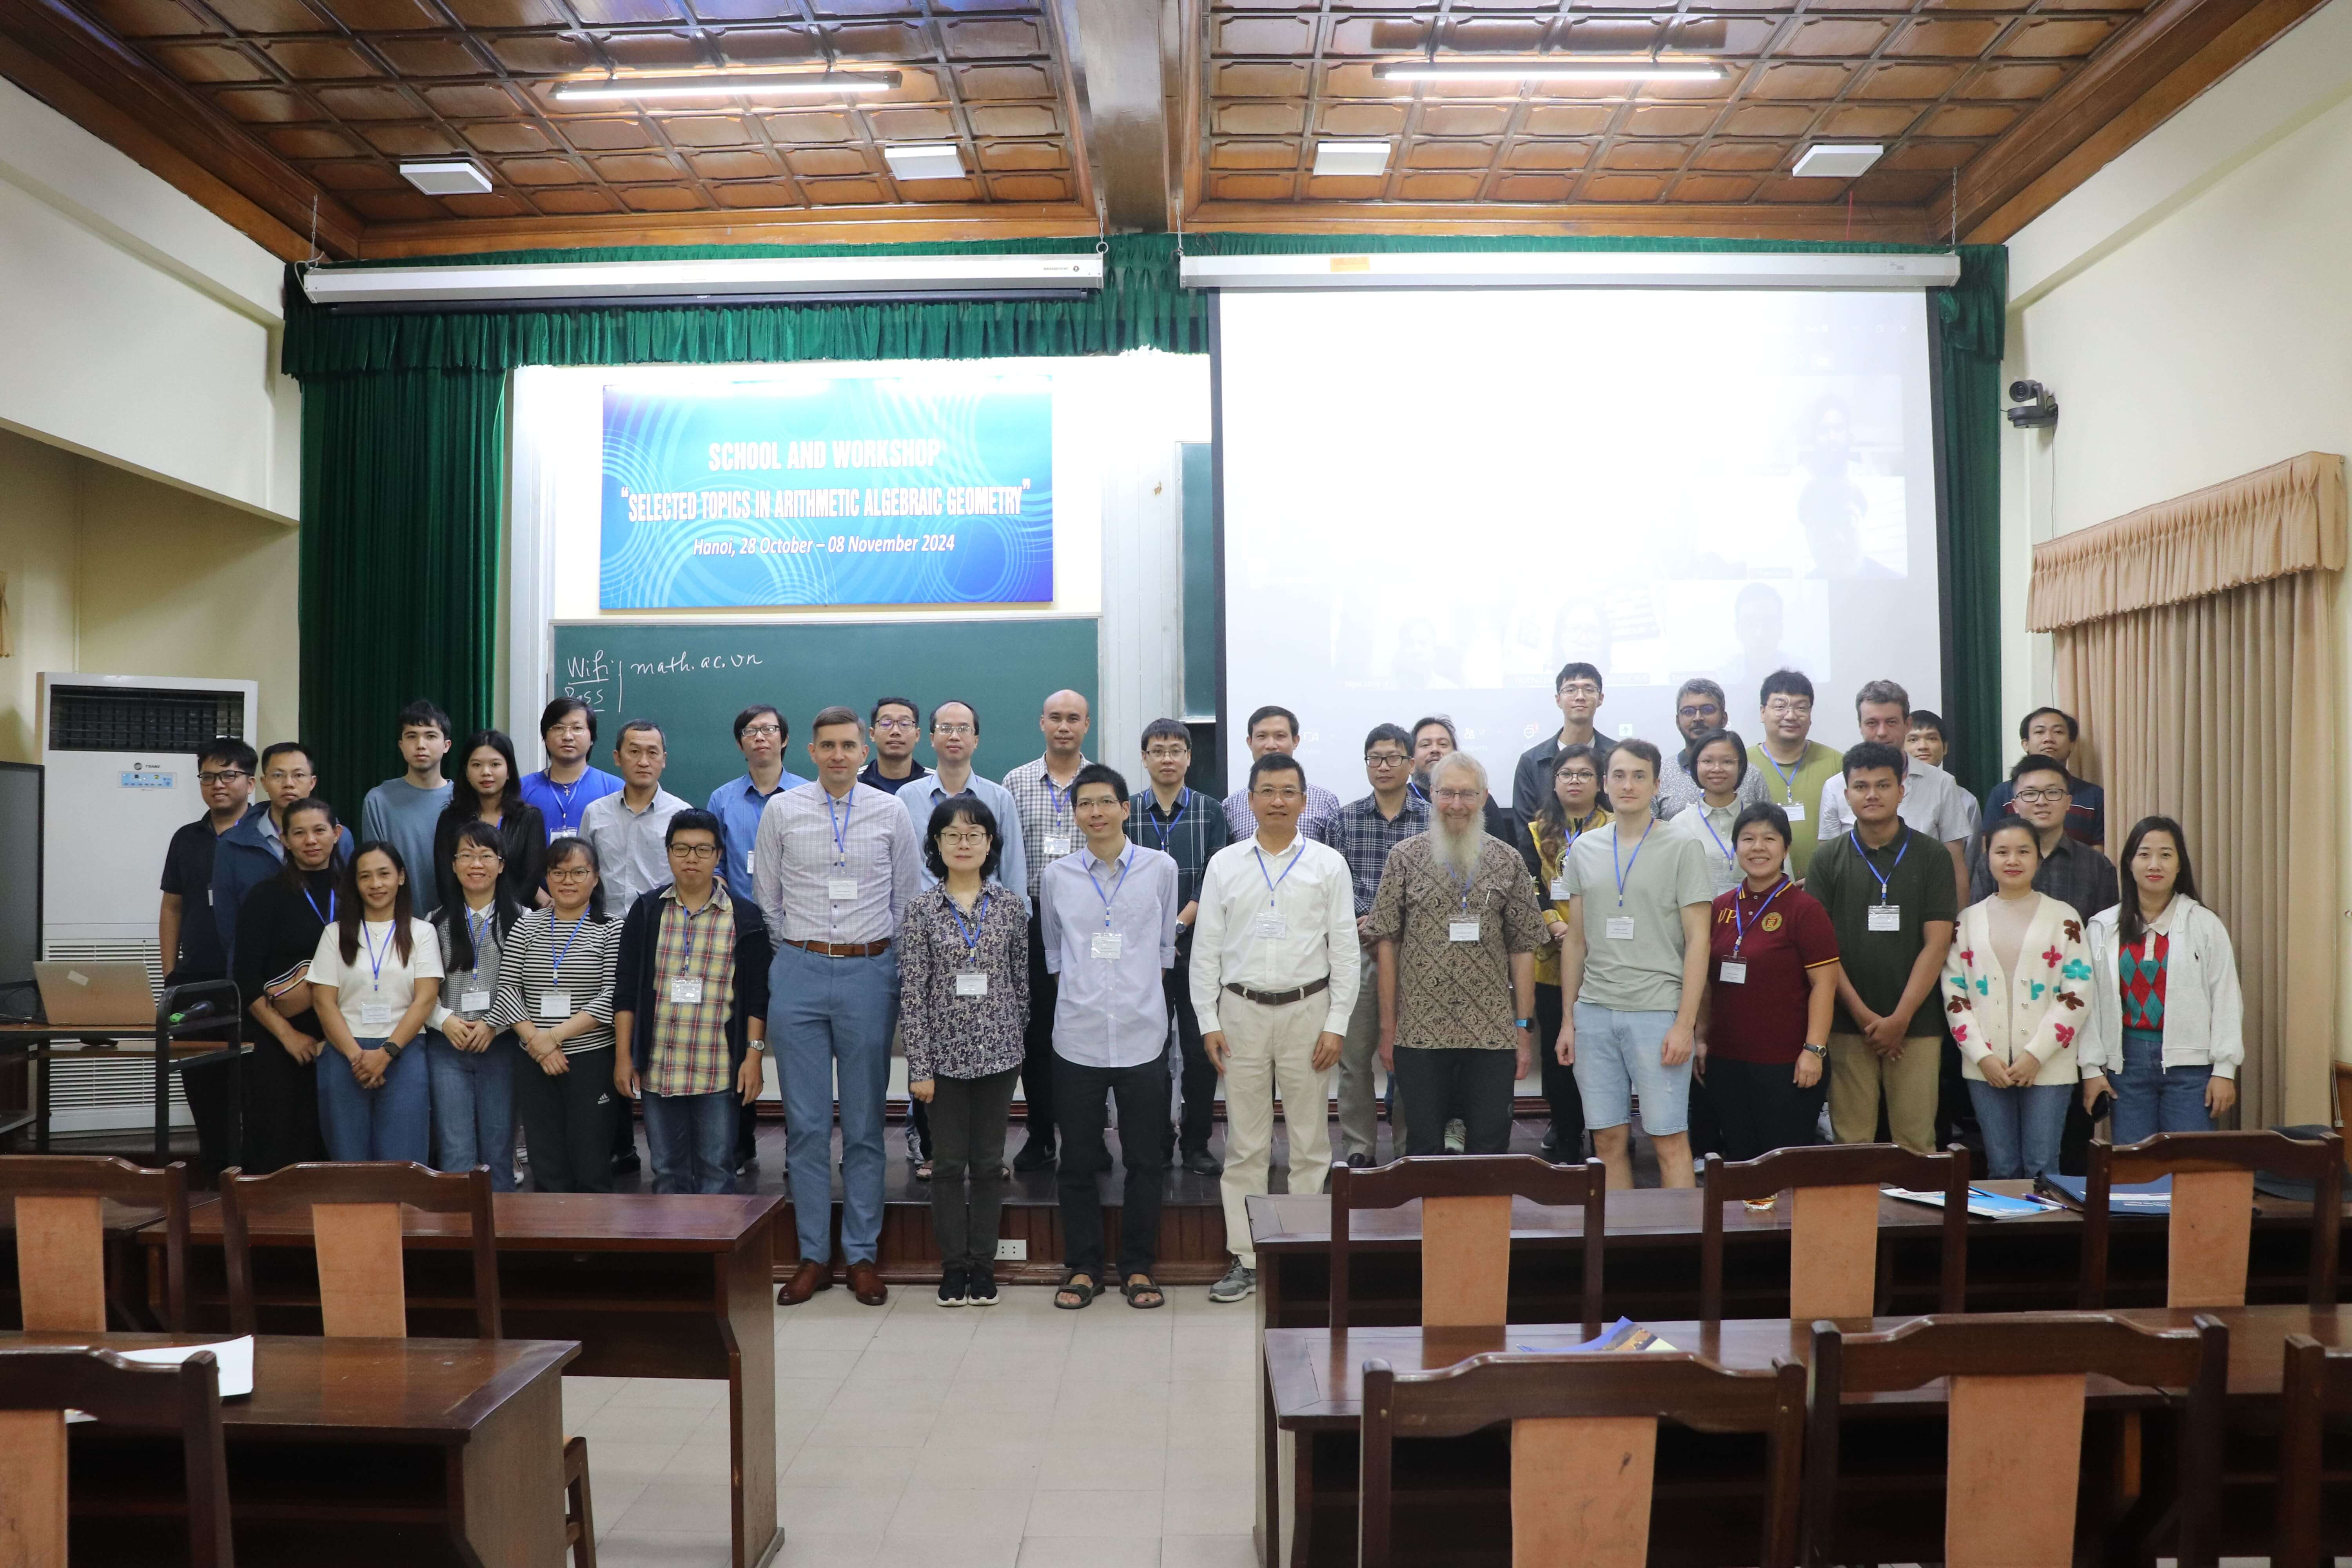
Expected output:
{"points": [[112, 574]]}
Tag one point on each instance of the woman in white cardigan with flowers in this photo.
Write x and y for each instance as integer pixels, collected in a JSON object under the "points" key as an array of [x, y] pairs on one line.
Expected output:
{"points": [[2017, 987]]}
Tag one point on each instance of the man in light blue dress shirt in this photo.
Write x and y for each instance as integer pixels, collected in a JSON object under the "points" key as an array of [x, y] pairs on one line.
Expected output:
{"points": [[1109, 918]]}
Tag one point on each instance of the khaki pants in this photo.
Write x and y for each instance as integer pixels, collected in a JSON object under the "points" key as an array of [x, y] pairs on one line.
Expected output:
{"points": [[1271, 1050], [1359, 1065], [1858, 1075]]}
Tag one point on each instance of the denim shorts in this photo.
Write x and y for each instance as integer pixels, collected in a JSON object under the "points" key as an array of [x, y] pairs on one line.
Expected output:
{"points": [[1617, 1059]]}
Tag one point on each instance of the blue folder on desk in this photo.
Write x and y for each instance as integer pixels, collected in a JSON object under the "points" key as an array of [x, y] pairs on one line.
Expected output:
{"points": [[2125, 1197]]}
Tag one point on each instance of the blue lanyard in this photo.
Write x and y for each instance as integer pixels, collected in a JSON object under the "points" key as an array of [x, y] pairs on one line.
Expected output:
{"points": [[1627, 869], [971, 934], [555, 964], [481, 935], [1858, 849], [840, 821], [1273, 883], [375, 959], [1705, 822], [329, 917], [563, 794], [1739, 924], [1787, 775], [1183, 799], [1125, 862], [1059, 803]]}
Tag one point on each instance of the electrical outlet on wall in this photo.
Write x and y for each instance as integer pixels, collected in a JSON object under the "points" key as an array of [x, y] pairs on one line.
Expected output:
{"points": [[1012, 1252]]}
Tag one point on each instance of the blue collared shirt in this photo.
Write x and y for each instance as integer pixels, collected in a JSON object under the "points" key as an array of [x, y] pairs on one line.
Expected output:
{"points": [[1111, 1012], [737, 803], [921, 796]]}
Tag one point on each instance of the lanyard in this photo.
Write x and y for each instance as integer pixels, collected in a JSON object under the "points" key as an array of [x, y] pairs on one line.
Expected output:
{"points": [[1183, 799], [971, 934], [1627, 869], [1125, 861], [840, 821], [1273, 883], [1858, 849], [1058, 801], [1708, 823], [555, 964], [375, 959], [481, 935], [329, 917], [563, 794], [1787, 775], [1468, 884], [688, 916], [1739, 924]]}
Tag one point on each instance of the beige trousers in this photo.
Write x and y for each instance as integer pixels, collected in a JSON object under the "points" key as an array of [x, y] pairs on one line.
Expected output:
{"points": [[1271, 1051], [1858, 1075]]}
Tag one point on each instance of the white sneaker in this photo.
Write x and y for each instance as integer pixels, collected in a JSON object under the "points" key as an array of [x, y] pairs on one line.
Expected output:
{"points": [[1457, 1137], [1238, 1284]]}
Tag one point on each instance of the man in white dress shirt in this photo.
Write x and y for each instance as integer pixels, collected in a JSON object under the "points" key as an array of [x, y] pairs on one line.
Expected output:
{"points": [[1933, 801], [1273, 974]]}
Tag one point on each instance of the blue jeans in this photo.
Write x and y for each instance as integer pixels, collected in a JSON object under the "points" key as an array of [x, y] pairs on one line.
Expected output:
{"points": [[2151, 1098], [692, 1139], [829, 1023], [2021, 1126], [473, 1106], [393, 1120]]}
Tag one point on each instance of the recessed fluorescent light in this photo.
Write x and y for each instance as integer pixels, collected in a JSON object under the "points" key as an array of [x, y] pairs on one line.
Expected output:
{"points": [[725, 84], [1357, 158], [942, 161], [1836, 159], [1555, 69], [446, 177]]}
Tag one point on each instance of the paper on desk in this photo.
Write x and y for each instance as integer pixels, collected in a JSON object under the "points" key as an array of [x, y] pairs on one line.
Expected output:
{"points": [[1981, 1203], [236, 1358], [1620, 1337]]}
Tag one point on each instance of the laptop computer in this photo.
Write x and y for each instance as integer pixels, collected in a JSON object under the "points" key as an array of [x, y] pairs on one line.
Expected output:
{"points": [[102, 995]]}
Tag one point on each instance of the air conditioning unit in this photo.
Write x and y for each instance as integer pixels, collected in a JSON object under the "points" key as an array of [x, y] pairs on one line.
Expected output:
{"points": [[120, 754]]}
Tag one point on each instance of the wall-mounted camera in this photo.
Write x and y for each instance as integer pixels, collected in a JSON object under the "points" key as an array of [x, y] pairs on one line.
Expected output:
{"points": [[2035, 408]]}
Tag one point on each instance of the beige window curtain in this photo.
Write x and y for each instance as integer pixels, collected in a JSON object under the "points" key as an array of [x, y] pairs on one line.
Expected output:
{"points": [[2197, 641]]}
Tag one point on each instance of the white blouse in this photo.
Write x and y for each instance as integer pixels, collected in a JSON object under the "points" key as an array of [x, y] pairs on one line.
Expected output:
{"points": [[376, 988]]}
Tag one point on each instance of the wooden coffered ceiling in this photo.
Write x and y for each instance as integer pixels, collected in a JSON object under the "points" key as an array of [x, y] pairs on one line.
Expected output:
{"points": [[288, 117]]}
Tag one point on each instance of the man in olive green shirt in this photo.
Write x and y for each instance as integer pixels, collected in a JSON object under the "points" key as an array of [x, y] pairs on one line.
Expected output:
{"points": [[1795, 767]]}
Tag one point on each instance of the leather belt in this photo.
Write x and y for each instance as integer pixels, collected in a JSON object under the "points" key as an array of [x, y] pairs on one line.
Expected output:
{"points": [[840, 948], [1281, 998]]}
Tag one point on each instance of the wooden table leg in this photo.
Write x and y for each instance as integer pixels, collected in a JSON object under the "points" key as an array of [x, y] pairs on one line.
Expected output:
{"points": [[746, 1287], [507, 1505], [1269, 1447]]}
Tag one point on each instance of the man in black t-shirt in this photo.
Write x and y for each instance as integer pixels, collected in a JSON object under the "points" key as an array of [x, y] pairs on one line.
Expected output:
{"points": [[187, 934]]}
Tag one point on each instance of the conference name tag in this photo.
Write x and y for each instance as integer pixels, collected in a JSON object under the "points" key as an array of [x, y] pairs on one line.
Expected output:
{"points": [[972, 983], [1106, 945], [1057, 846], [1621, 928], [376, 1013], [1269, 924], [1462, 930], [840, 890], [686, 990], [1560, 893], [1734, 972], [1886, 917], [555, 1005], [473, 1001], [1794, 811], [746, 862]]}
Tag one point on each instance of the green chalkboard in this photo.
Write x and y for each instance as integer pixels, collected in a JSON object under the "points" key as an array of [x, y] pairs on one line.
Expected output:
{"points": [[692, 679]]}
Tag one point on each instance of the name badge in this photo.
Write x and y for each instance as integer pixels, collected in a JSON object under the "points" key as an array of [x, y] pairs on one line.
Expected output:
{"points": [[1269, 924], [746, 862], [840, 890], [686, 990], [1056, 846], [1735, 972], [1560, 893], [376, 1013], [1621, 928], [554, 1006], [972, 982], [1886, 917], [564, 833], [1462, 930], [473, 1001], [1794, 811], [1106, 945]]}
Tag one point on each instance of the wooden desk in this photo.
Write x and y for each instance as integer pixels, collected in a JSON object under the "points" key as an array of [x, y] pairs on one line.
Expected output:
{"points": [[38, 1043], [649, 1286], [1314, 1383], [351, 1452]]}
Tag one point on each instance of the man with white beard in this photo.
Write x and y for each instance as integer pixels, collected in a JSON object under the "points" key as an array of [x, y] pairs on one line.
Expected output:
{"points": [[1457, 925]]}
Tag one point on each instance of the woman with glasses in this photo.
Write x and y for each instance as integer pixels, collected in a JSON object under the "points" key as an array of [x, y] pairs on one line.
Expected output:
{"points": [[1571, 809], [963, 1012], [489, 790], [1718, 765], [376, 977], [555, 991], [472, 1061]]}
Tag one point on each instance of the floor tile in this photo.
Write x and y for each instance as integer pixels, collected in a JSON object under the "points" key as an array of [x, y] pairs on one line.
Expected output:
{"points": [[1092, 1514]]}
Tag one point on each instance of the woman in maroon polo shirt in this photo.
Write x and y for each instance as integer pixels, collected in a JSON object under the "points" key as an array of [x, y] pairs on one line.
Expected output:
{"points": [[1771, 982]]}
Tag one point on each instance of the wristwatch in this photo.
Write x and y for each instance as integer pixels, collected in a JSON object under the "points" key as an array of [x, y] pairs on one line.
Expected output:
{"points": [[1523, 1023], [1821, 1051], [759, 1046]]}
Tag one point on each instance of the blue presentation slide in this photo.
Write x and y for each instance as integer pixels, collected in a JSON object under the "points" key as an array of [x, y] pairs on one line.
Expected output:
{"points": [[854, 490]]}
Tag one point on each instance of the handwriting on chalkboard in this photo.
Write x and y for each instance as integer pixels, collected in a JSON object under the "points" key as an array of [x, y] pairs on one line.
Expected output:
{"points": [[597, 677]]}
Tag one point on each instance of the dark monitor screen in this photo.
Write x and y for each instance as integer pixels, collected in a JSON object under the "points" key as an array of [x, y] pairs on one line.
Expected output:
{"points": [[20, 870]]}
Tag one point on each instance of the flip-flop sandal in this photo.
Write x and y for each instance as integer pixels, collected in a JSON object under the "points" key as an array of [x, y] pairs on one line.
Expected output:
{"points": [[1141, 1286], [923, 1171], [1085, 1292]]}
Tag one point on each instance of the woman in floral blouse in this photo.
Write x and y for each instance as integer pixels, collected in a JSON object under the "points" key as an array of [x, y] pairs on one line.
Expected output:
{"points": [[2017, 991], [963, 972]]}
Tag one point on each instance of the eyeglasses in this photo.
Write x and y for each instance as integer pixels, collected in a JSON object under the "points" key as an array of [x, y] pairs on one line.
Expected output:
{"points": [[761, 731], [906, 724], [1577, 776], [971, 836], [2052, 793], [1700, 710], [694, 851], [1168, 753], [1458, 796], [476, 857], [570, 872], [1283, 797], [226, 775], [1580, 688], [1385, 759], [949, 732], [1783, 707]]}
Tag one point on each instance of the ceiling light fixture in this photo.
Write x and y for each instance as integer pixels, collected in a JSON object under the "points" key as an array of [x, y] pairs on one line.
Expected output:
{"points": [[1351, 158], [724, 84], [446, 177], [1555, 67], [925, 160], [1836, 159]]}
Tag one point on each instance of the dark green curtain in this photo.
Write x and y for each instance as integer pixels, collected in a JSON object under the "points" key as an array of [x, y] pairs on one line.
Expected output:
{"points": [[404, 437]]}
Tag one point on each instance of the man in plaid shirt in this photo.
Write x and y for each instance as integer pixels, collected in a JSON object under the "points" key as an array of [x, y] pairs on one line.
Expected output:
{"points": [[1190, 828], [1363, 832]]}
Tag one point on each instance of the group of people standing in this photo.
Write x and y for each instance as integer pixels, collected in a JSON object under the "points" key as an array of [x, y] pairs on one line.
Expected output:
{"points": [[1636, 930]]}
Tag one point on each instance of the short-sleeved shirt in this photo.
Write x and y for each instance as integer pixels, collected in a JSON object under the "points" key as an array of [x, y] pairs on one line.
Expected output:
{"points": [[1642, 973], [1454, 993], [1784, 938], [188, 873], [1798, 792], [376, 988], [1918, 873]]}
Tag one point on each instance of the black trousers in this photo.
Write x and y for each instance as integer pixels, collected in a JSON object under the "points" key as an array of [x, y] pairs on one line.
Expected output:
{"points": [[1559, 1088], [209, 1085], [624, 1127], [1037, 1042], [1438, 1084], [1200, 1073], [1082, 1096], [1760, 1108], [972, 1114], [746, 1134], [568, 1120]]}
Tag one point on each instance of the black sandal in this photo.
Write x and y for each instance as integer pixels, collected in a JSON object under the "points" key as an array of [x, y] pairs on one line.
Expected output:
{"points": [[1140, 1286], [1085, 1293]]}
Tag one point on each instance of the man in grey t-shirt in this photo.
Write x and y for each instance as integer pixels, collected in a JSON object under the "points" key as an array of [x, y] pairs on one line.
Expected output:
{"points": [[402, 812], [1633, 958]]}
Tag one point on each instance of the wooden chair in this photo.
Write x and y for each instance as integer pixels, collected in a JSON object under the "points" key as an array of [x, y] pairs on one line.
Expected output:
{"points": [[60, 1202], [1466, 1229], [1584, 1432], [38, 1386], [1834, 1222], [2013, 1448], [2213, 1210], [2316, 1384]]}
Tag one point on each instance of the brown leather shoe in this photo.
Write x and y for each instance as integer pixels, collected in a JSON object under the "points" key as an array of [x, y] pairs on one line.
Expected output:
{"points": [[865, 1284], [809, 1278]]}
